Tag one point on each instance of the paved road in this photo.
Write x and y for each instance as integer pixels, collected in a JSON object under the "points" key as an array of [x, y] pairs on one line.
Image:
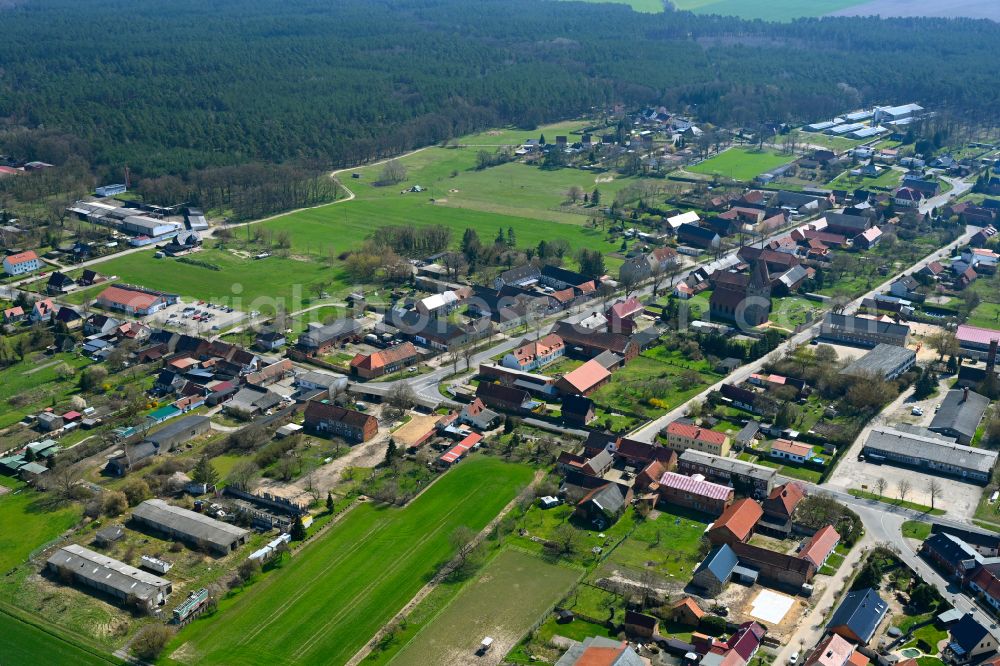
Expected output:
{"points": [[647, 432]]}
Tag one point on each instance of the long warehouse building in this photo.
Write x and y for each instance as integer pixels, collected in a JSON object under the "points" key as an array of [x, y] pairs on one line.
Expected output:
{"points": [[110, 576], [930, 452], [192, 528]]}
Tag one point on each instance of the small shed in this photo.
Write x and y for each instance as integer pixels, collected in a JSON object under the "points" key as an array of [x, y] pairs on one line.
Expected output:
{"points": [[108, 535]]}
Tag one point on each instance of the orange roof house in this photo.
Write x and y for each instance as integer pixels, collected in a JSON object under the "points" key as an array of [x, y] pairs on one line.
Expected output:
{"points": [[819, 547], [384, 362], [736, 523], [686, 611]]}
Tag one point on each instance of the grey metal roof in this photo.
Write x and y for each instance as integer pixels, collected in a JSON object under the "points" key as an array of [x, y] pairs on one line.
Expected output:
{"points": [[195, 525], [861, 611], [107, 572], [932, 449], [175, 427], [849, 323], [960, 414], [881, 360], [720, 561], [731, 465]]}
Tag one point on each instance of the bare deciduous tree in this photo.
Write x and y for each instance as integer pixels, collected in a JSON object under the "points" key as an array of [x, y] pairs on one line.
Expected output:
{"points": [[880, 485], [904, 489], [934, 489]]}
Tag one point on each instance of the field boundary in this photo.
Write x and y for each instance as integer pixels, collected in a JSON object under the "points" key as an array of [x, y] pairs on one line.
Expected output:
{"points": [[425, 591], [79, 642]]}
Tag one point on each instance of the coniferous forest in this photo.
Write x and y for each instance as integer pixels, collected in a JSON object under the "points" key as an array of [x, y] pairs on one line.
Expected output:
{"points": [[172, 87]]}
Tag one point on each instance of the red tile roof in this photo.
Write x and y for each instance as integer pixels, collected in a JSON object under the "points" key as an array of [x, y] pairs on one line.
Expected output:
{"points": [[386, 357], [697, 433], [793, 448], [21, 257], [136, 300], [820, 545], [788, 496], [587, 376], [739, 518]]}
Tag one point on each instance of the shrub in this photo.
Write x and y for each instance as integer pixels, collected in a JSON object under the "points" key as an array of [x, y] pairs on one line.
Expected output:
{"points": [[150, 641]]}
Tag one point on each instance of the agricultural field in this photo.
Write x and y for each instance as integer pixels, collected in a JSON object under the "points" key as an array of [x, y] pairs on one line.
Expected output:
{"points": [[741, 164], [27, 521], [834, 143], [300, 614], [37, 381], [768, 10], [503, 601], [27, 644]]}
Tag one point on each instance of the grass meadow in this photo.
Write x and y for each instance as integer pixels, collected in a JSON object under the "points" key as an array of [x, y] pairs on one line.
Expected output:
{"points": [[26, 522], [352, 580], [768, 10], [741, 163], [503, 602]]}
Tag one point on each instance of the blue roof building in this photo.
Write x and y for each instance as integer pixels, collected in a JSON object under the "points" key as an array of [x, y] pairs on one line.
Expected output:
{"points": [[859, 615], [969, 641]]}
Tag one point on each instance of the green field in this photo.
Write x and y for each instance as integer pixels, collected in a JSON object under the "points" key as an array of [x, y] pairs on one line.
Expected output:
{"points": [[246, 284], [27, 644], [35, 382], [888, 179], [768, 10], [344, 587], [986, 315], [27, 521], [504, 601], [741, 163]]}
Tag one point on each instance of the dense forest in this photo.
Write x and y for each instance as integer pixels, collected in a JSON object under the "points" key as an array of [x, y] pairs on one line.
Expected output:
{"points": [[170, 87]]}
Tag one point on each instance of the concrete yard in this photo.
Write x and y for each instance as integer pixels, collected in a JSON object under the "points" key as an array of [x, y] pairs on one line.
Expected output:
{"points": [[771, 607]]}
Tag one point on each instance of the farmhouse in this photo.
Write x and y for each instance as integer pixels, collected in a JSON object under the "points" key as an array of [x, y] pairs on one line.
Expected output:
{"points": [[384, 362], [884, 361], [532, 355], [716, 570], [479, 416], [135, 301], [748, 478], [858, 615], [597, 651], [504, 398], [518, 277], [736, 523], [835, 651], [959, 415], [326, 418], [694, 492], [578, 410], [195, 529], [320, 339], [603, 506], [930, 453], [112, 577], [951, 555], [682, 436], [21, 263], [589, 343]]}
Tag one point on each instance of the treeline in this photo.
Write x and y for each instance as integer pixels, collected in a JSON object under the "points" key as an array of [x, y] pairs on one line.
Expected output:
{"points": [[180, 87]]}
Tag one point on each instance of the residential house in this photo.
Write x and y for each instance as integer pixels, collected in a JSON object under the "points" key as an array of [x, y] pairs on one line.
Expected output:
{"points": [[251, 401], [858, 616], [504, 398], [589, 343], [951, 555], [42, 310], [907, 197], [270, 339], [969, 642], [750, 479], [578, 410], [59, 283], [796, 452], [479, 416], [621, 315], [985, 583], [834, 650], [736, 524], [384, 362], [686, 611], [603, 506], [22, 263], [600, 651], [14, 315], [531, 355], [682, 436], [905, 287], [846, 224], [818, 549], [779, 506], [868, 238], [326, 418], [641, 625], [518, 277]]}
